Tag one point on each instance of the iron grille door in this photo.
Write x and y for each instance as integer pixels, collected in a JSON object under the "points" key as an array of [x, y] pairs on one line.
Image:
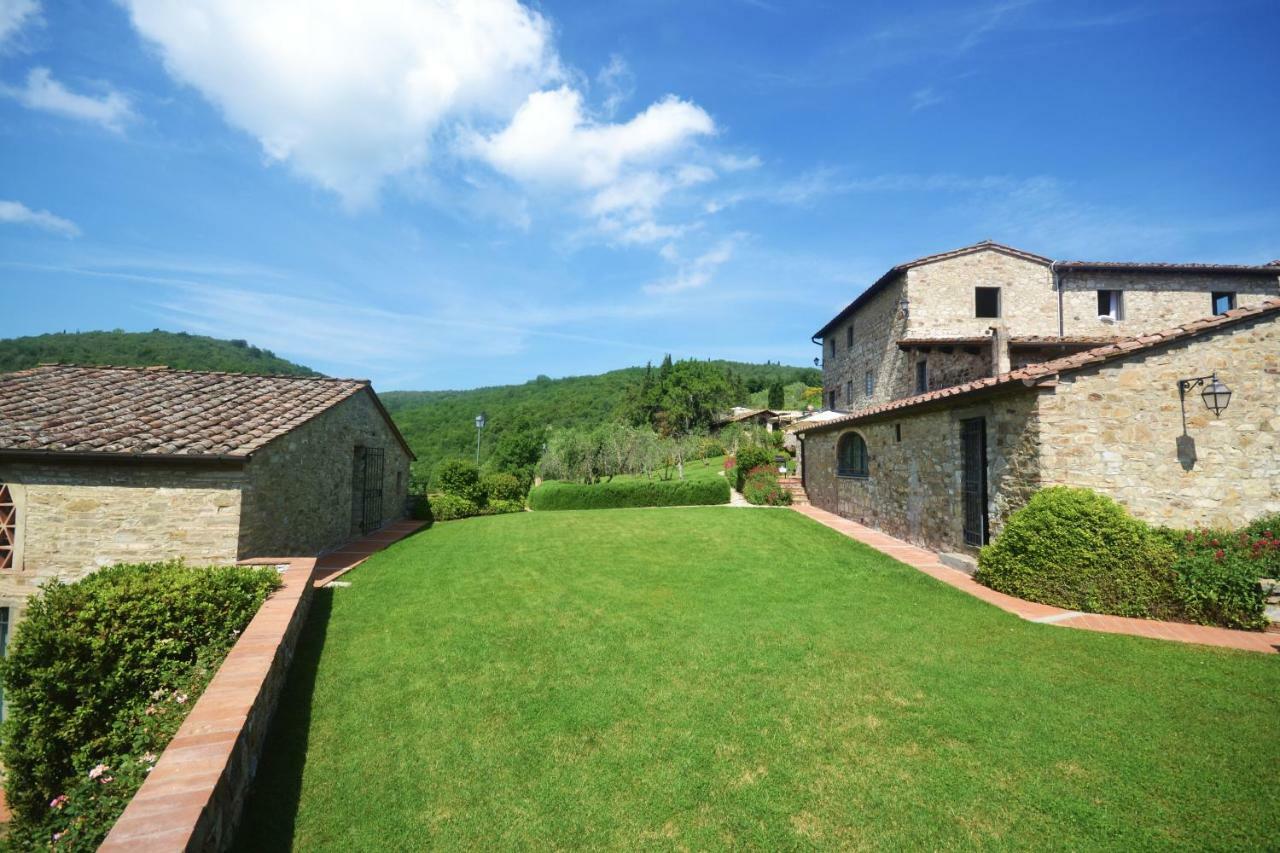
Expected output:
{"points": [[973, 449], [372, 514]]}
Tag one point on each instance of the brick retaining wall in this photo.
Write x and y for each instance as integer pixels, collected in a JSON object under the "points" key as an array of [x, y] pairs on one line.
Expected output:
{"points": [[193, 799]]}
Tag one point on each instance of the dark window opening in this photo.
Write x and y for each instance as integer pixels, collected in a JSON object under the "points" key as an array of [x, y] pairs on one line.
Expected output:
{"points": [[8, 528], [922, 376], [833, 347], [1223, 301], [831, 401], [986, 302], [4, 648], [851, 456], [848, 393], [1111, 304], [869, 383], [897, 433], [848, 337]]}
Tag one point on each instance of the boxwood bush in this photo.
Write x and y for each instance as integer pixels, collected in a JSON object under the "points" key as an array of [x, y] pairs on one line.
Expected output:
{"points": [[99, 676], [554, 495], [449, 507], [1080, 550]]}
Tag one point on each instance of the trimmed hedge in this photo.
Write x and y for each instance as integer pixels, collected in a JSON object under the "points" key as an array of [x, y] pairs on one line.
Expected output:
{"points": [[556, 495], [1077, 549], [99, 676]]}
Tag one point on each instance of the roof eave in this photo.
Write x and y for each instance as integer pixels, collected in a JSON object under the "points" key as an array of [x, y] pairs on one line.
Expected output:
{"points": [[32, 455]]}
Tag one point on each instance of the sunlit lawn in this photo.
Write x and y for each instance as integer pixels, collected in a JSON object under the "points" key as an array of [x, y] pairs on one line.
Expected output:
{"points": [[676, 678]]}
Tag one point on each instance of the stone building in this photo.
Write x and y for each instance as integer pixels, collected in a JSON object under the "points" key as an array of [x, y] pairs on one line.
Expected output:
{"points": [[100, 465], [952, 420]]}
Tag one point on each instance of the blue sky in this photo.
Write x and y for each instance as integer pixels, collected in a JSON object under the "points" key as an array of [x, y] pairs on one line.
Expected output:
{"points": [[452, 194]]}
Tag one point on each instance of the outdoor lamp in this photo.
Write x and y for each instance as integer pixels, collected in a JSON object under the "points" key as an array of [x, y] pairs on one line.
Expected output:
{"points": [[1216, 395]]}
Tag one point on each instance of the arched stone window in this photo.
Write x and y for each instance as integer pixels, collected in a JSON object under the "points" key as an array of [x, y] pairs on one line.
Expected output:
{"points": [[851, 456], [8, 528]]}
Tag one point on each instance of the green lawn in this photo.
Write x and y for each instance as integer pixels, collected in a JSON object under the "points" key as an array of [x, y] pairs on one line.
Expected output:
{"points": [[676, 678], [696, 470]]}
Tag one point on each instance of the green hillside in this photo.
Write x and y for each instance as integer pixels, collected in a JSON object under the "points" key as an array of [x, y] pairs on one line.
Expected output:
{"points": [[441, 424], [177, 350]]}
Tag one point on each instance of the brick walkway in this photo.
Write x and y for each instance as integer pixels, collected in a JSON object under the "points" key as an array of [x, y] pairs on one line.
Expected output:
{"points": [[927, 562], [337, 563]]}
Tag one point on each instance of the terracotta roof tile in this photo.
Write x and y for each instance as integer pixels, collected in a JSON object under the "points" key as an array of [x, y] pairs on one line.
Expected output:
{"points": [[157, 412], [1076, 361]]}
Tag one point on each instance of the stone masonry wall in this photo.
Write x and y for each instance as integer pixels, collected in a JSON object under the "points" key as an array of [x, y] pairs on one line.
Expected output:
{"points": [[298, 495], [876, 327], [915, 486], [1115, 429], [74, 518], [942, 296], [1152, 302]]}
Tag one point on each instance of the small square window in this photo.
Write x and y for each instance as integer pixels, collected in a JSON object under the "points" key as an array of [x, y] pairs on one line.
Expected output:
{"points": [[869, 384], [1110, 304], [848, 337], [986, 302], [1223, 301], [922, 376]]}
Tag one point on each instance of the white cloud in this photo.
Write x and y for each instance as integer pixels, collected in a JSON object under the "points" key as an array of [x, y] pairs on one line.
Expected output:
{"points": [[17, 213], [14, 15], [696, 273], [46, 94], [351, 94], [926, 97], [618, 83]]}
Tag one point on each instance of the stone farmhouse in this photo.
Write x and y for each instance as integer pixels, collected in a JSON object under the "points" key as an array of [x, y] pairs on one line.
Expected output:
{"points": [[967, 380], [100, 465]]}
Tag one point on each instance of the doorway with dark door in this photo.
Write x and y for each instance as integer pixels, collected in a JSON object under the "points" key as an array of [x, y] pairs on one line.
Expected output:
{"points": [[366, 490], [973, 453]]}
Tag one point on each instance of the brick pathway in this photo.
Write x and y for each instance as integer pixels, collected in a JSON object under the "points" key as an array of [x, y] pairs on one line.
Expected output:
{"points": [[337, 563], [927, 562]]}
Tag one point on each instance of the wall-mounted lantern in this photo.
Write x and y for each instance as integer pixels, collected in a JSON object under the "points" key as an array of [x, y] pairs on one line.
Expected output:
{"points": [[1216, 395]]}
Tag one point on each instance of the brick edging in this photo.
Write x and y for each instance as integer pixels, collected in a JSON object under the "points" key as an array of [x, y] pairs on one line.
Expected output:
{"points": [[194, 797], [926, 561]]}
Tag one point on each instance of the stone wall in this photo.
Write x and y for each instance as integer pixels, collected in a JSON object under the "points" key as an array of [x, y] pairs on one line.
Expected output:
{"points": [[299, 496], [74, 518], [1153, 302], [1115, 429], [876, 326], [941, 295], [914, 487]]}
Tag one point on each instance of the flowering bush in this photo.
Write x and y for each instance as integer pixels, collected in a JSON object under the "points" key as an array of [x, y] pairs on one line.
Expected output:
{"points": [[762, 487], [99, 676], [747, 460], [1218, 575]]}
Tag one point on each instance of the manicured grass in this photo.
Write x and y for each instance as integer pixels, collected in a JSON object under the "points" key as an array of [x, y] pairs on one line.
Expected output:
{"points": [[696, 469], [678, 678]]}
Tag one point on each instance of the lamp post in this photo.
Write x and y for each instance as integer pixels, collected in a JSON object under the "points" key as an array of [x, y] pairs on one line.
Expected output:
{"points": [[480, 421], [1216, 395]]}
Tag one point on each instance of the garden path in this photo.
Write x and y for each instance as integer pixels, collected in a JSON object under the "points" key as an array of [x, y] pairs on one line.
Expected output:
{"points": [[927, 562]]}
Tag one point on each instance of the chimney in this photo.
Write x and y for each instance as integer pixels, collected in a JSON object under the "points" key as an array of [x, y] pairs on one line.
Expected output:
{"points": [[999, 351]]}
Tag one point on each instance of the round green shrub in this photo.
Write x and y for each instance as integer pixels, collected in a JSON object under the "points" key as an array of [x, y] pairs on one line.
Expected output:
{"points": [[460, 477], [500, 486], [1077, 549], [448, 507], [749, 458], [420, 508], [102, 671]]}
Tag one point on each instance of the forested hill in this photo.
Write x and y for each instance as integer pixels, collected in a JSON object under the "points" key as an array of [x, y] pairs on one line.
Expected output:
{"points": [[440, 424], [177, 350]]}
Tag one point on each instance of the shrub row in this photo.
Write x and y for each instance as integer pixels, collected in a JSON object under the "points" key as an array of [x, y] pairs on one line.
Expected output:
{"points": [[99, 676], [465, 493], [554, 495], [1080, 550], [451, 507]]}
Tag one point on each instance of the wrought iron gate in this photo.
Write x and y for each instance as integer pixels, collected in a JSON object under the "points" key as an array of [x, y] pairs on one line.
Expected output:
{"points": [[366, 482], [973, 450]]}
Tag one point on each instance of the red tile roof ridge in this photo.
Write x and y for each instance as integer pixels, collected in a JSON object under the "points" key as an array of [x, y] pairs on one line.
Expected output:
{"points": [[1075, 361], [156, 368]]}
